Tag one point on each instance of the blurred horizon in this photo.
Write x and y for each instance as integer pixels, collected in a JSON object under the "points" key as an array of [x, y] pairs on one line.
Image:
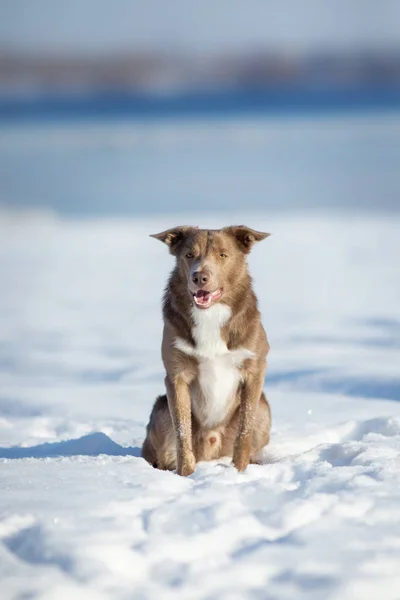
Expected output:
{"points": [[126, 107], [97, 58]]}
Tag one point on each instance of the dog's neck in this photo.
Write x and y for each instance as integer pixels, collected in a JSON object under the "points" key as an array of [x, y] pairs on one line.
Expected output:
{"points": [[206, 334], [206, 331], [198, 326]]}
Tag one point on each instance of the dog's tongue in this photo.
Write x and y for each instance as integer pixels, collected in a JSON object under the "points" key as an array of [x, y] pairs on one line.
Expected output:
{"points": [[206, 299], [203, 297]]}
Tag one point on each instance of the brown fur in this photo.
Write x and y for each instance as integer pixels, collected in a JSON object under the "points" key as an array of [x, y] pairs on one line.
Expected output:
{"points": [[177, 434]]}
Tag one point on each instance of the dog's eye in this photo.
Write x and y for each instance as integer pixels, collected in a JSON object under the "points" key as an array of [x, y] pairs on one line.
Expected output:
{"points": [[223, 255], [189, 255]]}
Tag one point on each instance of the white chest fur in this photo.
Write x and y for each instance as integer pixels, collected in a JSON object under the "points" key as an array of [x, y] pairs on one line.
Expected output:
{"points": [[219, 374]]}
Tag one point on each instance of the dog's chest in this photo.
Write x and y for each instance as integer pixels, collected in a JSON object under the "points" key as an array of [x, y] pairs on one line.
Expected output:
{"points": [[214, 393]]}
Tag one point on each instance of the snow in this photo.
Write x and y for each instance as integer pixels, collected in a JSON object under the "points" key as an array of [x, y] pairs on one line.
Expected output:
{"points": [[83, 516]]}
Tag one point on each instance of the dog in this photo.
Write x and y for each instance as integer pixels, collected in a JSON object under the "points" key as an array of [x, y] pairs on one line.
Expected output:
{"points": [[214, 350]]}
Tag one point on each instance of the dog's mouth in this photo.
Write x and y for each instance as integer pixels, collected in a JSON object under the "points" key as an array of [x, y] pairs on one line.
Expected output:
{"points": [[204, 299]]}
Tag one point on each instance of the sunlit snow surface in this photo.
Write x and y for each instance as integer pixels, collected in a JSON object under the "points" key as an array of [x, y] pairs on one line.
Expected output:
{"points": [[82, 516], [80, 335]]}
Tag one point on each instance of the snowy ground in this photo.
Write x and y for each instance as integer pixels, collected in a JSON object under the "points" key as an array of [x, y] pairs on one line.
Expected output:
{"points": [[83, 516]]}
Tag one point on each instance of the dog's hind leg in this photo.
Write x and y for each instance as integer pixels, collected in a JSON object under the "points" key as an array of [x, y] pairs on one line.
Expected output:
{"points": [[159, 447], [262, 428], [148, 452], [260, 436]]}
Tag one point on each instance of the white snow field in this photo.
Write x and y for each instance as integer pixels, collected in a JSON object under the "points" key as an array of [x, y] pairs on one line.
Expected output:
{"points": [[82, 516]]}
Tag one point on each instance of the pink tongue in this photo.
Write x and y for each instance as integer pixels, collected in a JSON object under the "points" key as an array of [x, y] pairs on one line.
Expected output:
{"points": [[203, 296]]}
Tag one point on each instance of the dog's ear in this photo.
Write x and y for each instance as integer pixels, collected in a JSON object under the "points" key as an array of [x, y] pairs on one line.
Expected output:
{"points": [[173, 237], [246, 237]]}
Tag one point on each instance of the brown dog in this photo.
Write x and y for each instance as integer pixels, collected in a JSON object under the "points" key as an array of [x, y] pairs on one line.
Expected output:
{"points": [[214, 351]]}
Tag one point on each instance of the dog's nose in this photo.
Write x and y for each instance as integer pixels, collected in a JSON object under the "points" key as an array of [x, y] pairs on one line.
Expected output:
{"points": [[200, 277]]}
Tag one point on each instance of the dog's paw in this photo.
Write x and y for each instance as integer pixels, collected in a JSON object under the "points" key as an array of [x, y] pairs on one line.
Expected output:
{"points": [[241, 459], [187, 465], [241, 465]]}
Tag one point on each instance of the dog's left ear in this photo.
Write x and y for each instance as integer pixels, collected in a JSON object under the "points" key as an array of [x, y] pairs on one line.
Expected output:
{"points": [[172, 237], [246, 237]]}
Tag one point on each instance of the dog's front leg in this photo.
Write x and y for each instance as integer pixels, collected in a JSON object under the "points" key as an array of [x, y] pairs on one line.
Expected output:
{"points": [[179, 405], [250, 398]]}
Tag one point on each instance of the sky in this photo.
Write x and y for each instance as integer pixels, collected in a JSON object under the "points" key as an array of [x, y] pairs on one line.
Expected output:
{"points": [[113, 26]]}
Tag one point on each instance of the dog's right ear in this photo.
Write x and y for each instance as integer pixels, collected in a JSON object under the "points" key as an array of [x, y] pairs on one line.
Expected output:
{"points": [[172, 237]]}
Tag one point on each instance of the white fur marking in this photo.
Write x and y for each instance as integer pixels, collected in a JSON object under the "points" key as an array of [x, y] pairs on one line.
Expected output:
{"points": [[207, 329], [218, 367], [218, 380], [183, 346]]}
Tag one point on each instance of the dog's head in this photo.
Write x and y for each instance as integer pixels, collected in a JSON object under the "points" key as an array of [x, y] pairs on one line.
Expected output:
{"points": [[212, 262]]}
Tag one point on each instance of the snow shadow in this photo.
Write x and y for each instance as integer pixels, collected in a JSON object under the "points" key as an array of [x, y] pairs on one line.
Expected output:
{"points": [[323, 380], [382, 333], [92, 444], [362, 387], [290, 376], [31, 545]]}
